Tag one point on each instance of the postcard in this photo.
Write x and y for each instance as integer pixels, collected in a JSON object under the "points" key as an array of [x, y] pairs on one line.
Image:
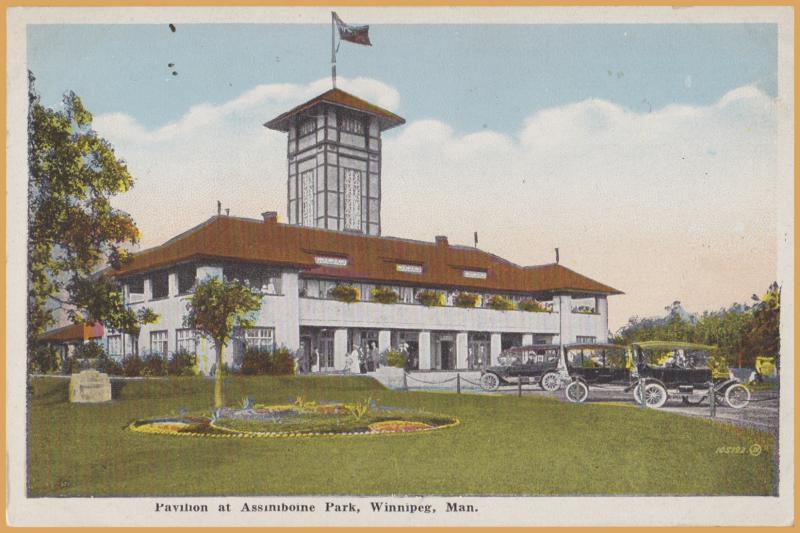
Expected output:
{"points": [[400, 266]]}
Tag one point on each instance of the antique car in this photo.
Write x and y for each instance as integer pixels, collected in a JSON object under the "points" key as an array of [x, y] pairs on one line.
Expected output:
{"points": [[662, 369], [595, 364], [687, 370], [525, 364]]}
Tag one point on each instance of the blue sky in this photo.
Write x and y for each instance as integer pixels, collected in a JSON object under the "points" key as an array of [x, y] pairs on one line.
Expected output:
{"points": [[645, 152], [470, 76]]}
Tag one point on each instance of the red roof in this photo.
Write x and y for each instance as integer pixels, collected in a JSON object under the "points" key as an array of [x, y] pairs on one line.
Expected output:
{"points": [[74, 332], [369, 258], [387, 119]]}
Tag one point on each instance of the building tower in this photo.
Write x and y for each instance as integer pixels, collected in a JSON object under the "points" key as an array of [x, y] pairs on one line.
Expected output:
{"points": [[334, 158]]}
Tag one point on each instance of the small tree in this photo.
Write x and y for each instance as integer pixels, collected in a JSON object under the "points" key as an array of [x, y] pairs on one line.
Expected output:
{"points": [[216, 307]]}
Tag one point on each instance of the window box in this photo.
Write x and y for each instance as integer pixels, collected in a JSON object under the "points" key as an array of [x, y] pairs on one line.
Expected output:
{"points": [[466, 299], [384, 295], [345, 293], [500, 303], [430, 298], [532, 306]]}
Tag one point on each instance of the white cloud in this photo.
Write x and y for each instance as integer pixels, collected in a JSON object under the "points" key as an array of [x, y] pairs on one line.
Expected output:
{"points": [[671, 204]]}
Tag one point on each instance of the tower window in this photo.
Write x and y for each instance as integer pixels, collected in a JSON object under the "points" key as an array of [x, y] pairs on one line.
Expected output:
{"points": [[351, 124], [309, 203], [352, 199], [307, 126]]}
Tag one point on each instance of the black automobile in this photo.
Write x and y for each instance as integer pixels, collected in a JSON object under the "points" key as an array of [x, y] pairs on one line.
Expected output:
{"points": [[595, 364], [527, 364], [662, 369], [687, 370]]}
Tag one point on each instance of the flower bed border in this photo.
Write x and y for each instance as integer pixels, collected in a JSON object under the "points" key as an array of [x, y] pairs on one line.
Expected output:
{"points": [[228, 433]]}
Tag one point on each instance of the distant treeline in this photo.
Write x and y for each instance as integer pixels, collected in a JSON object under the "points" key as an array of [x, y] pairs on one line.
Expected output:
{"points": [[741, 331]]}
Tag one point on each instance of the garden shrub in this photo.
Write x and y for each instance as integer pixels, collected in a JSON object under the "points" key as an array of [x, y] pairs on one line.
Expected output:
{"points": [[430, 298], [154, 365], [255, 362], [182, 364], [44, 359], [282, 362], [532, 306], [258, 362], [132, 366], [345, 293], [384, 295], [396, 358], [500, 303], [466, 299], [107, 365]]}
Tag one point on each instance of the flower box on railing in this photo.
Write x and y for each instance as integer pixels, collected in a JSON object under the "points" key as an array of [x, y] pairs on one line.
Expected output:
{"points": [[430, 298], [384, 295], [345, 293], [466, 299]]}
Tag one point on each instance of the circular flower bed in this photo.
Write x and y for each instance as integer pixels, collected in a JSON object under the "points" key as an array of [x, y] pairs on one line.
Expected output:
{"points": [[301, 419]]}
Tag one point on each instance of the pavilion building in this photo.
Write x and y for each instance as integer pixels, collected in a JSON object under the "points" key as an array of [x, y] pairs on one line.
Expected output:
{"points": [[332, 239]]}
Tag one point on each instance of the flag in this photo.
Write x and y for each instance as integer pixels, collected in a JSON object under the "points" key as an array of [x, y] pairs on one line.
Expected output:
{"points": [[353, 34]]}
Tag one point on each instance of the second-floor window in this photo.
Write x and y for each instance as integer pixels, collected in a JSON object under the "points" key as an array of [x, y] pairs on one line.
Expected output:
{"points": [[160, 284], [187, 276]]}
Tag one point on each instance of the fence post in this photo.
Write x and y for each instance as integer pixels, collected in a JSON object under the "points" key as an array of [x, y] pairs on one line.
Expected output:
{"points": [[519, 386], [712, 399], [405, 381], [458, 383]]}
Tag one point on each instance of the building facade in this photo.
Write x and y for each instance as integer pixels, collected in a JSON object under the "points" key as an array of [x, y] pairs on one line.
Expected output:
{"points": [[330, 283]]}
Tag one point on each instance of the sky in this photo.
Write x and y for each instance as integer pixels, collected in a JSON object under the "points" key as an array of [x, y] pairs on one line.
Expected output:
{"points": [[645, 152]]}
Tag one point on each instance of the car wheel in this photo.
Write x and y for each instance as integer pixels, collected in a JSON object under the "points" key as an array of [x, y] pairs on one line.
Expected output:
{"points": [[737, 396], [550, 382], [654, 393], [577, 392], [490, 382]]}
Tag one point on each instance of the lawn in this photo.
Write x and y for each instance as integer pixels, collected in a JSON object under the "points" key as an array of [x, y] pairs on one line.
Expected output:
{"points": [[504, 445]]}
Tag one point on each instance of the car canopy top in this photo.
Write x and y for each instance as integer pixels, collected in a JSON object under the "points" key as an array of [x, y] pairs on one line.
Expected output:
{"points": [[674, 345], [595, 346]]}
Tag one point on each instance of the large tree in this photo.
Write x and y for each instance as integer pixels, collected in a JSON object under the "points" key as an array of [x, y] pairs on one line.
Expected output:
{"points": [[73, 230], [215, 309], [741, 331]]}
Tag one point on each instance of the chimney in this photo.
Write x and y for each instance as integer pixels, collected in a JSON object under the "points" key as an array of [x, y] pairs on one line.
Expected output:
{"points": [[441, 240], [270, 216]]}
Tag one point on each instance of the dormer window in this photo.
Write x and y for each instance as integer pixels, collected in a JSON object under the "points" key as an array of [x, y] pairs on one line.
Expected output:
{"points": [[475, 274], [329, 260], [409, 269]]}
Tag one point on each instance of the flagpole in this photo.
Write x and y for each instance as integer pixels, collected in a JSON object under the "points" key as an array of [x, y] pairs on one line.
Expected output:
{"points": [[333, 49]]}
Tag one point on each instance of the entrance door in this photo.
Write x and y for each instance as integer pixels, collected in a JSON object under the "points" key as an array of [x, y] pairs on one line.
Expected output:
{"points": [[305, 360], [326, 351], [448, 355]]}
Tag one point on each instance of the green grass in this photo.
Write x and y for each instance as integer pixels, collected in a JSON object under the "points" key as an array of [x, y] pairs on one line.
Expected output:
{"points": [[504, 445]]}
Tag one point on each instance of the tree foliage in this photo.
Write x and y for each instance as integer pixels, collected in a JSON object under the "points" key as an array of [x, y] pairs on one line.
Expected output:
{"points": [[72, 227], [215, 309], [741, 331]]}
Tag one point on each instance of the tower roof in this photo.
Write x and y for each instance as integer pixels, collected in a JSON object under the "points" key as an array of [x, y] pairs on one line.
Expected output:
{"points": [[338, 97]]}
